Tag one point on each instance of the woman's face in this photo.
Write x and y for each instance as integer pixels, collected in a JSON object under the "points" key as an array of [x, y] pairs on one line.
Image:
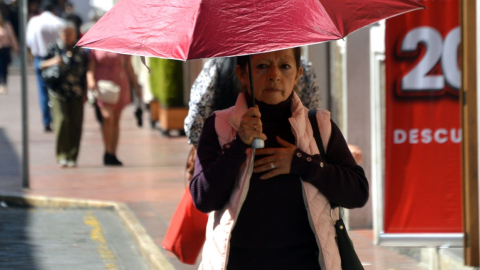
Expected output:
{"points": [[275, 74], [68, 36]]}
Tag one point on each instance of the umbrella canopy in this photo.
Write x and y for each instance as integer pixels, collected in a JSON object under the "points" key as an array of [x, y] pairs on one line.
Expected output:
{"points": [[194, 29]]}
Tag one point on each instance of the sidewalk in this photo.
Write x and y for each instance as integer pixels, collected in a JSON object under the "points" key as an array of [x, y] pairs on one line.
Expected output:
{"points": [[151, 183]]}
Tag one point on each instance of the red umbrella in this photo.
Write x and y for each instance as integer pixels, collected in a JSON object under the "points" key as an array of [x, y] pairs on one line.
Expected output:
{"points": [[193, 29]]}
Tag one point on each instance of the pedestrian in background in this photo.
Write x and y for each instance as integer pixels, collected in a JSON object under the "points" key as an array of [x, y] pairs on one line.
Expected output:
{"points": [[68, 95], [116, 68], [8, 41], [42, 30]]}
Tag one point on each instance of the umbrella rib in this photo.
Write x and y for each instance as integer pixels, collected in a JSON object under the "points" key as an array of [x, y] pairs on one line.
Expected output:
{"points": [[192, 33]]}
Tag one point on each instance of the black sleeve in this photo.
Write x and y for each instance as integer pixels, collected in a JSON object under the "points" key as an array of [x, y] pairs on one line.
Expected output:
{"points": [[339, 178], [216, 168]]}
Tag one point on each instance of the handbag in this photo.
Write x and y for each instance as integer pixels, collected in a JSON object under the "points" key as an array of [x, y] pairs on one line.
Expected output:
{"points": [[108, 92], [186, 234], [350, 260], [52, 75]]}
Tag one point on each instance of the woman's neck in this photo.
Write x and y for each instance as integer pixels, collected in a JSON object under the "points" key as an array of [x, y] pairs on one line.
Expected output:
{"points": [[276, 112]]}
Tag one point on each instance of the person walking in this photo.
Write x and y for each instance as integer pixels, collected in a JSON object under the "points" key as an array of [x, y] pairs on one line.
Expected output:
{"points": [[116, 68], [67, 95], [271, 207], [41, 31], [8, 41]]}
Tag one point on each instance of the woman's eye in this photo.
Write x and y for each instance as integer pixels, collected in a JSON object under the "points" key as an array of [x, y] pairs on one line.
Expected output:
{"points": [[262, 66], [286, 66]]}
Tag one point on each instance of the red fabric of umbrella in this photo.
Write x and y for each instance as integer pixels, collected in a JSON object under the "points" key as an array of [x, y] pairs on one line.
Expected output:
{"points": [[193, 29]]}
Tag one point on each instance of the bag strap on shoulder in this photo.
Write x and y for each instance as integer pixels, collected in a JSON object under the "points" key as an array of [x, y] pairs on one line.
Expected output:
{"points": [[312, 116]]}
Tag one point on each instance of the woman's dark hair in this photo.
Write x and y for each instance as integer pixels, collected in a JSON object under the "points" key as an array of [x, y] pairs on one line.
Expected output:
{"points": [[226, 86], [242, 61]]}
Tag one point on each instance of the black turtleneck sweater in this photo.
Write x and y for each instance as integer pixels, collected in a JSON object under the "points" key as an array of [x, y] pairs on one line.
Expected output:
{"points": [[272, 229]]}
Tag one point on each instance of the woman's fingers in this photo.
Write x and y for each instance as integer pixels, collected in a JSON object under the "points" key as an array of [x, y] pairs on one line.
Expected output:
{"points": [[265, 160], [251, 126]]}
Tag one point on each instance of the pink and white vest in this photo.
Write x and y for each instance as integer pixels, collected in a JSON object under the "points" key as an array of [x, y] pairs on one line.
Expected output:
{"points": [[220, 223]]}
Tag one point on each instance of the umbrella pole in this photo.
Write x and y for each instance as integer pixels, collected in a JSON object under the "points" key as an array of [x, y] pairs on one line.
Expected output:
{"points": [[257, 143], [251, 78]]}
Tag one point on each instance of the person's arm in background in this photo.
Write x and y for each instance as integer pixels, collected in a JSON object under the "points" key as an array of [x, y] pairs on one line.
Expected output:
{"points": [[92, 66], [52, 59], [12, 37], [201, 102], [29, 34], [132, 76]]}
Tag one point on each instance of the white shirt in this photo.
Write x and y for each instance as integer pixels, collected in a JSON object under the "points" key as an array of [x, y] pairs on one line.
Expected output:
{"points": [[41, 31]]}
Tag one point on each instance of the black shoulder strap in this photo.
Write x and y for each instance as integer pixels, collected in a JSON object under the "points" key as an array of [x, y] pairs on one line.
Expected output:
{"points": [[312, 115]]}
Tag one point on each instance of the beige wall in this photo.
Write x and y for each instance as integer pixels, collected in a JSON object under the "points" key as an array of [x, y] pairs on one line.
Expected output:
{"points": [[358, 112]]}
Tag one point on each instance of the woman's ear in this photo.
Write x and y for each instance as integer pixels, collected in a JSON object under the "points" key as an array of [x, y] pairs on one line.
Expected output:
{"points": [[299, 73], [241, 76]]}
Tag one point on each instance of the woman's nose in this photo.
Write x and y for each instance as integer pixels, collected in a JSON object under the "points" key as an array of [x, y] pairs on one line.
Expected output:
{"points": [[273, 74]]}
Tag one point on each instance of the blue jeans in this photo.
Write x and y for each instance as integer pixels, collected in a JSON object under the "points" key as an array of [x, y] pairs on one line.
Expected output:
{"points": [[42, 93]]}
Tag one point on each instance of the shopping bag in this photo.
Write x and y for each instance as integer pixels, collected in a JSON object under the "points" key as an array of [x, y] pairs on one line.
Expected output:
{"points": [[186, 233]]}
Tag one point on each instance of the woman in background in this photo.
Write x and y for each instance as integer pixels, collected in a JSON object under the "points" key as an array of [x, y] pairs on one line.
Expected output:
{"points": [[118, 69], [68, 95], [8, 41]]}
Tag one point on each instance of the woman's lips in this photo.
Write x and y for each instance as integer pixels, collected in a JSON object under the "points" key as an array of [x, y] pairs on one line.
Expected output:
{"points": [[272, 90]]}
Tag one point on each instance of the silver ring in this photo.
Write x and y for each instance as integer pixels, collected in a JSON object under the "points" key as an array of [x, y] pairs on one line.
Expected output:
{"points": [[272, 165]]}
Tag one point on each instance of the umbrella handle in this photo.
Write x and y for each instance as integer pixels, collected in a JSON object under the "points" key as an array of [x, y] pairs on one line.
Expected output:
{"points": [[256, 143]]}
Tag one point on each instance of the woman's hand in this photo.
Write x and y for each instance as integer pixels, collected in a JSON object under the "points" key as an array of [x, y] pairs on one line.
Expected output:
{"points": [[356, 153], [251, 126], [278, 160]]}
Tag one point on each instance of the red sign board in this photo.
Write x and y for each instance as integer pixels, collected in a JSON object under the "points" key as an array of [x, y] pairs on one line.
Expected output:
{"points": [[423, 135]]}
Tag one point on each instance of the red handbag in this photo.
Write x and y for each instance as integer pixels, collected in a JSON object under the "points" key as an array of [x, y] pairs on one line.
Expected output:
{"points": [[186, 233]]}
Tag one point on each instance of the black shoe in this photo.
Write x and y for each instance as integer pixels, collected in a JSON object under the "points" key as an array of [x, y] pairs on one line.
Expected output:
{"points": [[115, 161], [111, 160], [48, 129]]}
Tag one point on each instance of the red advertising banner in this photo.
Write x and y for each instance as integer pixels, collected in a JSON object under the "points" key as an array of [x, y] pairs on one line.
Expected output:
{"points": [[423, 135]]}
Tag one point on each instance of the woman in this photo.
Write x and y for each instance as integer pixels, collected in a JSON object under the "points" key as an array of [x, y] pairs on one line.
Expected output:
{"points": [[262, 200], [8, 41], [118, 69], [68, 95]]}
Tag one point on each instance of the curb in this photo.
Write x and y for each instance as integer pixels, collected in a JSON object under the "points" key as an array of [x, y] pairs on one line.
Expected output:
{"points": [[149, 250]]}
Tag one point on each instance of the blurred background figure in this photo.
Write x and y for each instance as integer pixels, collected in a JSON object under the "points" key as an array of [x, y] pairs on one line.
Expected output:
{"points": [[118, 69], [70, 15], [8, 41], [41, 31], [93, 16], [68, 95]]}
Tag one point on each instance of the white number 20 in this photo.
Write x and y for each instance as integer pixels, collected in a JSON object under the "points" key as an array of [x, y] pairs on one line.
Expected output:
{"points": [[436, 50]]}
